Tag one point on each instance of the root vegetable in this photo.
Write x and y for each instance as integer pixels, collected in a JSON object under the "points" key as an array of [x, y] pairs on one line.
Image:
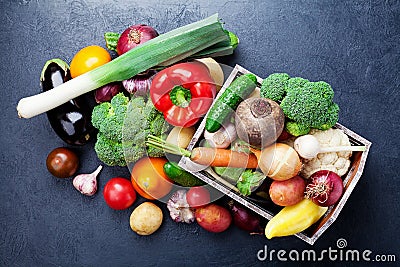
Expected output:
{"points": [[278, 161], [87, 183], [245, 219], [213, 218], [259, 121], [308, 147], [146, 218], [219, 157], [288, 192], [324, 188], [179, 208], [207, 156]]}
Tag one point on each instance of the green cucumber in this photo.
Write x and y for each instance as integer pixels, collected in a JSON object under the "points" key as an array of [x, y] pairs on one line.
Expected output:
{"points": [[180, 176], [229, 100]]}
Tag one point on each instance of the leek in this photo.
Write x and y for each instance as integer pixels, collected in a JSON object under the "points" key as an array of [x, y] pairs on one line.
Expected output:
{"points": [[163, 50]]}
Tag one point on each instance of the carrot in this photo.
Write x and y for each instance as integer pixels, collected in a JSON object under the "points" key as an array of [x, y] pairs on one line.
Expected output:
{"points": [[216, 157], [219, 157]]}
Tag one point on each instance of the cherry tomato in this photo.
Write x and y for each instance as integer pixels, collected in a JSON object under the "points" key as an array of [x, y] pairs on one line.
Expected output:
{"points": [[119, 193], [197, 196], [149, 178], [88, 58], [62, 162]]}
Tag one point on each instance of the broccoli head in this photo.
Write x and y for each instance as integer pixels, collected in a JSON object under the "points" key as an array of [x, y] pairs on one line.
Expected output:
{"points": [[108, 117], [142, 120], [309, 105], [305, 104], [123, 126], [109, 151], [296, 129], [274, 86]]}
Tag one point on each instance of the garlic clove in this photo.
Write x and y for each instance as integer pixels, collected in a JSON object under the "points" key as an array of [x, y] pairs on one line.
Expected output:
{"points": [[86, 184]]}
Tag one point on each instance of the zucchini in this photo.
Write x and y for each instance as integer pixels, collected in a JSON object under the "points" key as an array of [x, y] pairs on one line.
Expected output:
{"points": [[180, 176], [229, 100]]}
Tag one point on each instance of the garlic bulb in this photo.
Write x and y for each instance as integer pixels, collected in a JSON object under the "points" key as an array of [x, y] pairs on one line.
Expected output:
{"points": [[87, 183]]}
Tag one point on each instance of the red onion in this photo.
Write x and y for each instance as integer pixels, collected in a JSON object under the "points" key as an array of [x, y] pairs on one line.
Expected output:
{"points": [[245, 219], [324, 188], [134, 36], [139, 85], [106, 92]]}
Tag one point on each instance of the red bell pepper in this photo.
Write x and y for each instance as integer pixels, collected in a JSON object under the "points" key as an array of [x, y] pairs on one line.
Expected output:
{"points": [[183, 93]]}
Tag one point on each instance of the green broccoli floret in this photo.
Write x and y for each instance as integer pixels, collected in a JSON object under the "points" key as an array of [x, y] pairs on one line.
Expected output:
{"points": [[108, 117], [274, 86], [295, 83], [311, 105], [296, 129], [108, 151], [123, 128], [305, 104], [142, 120]]}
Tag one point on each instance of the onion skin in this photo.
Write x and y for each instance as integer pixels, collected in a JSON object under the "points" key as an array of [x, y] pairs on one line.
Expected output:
{"points": [[134, 36], [106, 92], [244, 219], [139, 85], [324, 188], [278, 161]]}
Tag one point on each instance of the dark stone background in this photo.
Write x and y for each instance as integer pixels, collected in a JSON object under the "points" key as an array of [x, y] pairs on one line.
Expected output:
{"points": [[44, 221]]}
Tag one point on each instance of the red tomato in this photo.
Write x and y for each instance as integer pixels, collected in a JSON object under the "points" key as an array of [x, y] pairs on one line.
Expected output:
{"points": [[149, 178], [119, 193], [198, 196], [88, 58]]}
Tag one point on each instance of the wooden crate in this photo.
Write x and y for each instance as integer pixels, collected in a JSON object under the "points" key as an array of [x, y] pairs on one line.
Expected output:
{"points": [[314, 232]]}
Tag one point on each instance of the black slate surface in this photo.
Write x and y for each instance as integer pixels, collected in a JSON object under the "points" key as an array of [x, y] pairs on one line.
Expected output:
{"points": [[353, 45]]}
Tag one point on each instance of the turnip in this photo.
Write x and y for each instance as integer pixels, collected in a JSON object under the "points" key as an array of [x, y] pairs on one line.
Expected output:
{"points": [[259, 121], [288, 192], [324, 188]]}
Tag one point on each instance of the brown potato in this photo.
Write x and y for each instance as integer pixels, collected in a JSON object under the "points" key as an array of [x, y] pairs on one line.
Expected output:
{"points": [[146, 218], [288, 192]]}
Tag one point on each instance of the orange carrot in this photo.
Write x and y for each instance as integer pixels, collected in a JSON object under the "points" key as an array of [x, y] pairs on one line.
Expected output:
{"points": [[219, 157]]}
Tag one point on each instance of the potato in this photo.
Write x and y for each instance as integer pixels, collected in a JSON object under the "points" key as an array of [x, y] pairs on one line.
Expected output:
{"points": [[287, 192], [213, 218], [146, 218], [181, 136]]}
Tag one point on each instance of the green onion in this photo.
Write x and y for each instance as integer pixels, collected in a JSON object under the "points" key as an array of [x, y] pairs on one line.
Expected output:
{"points": [[163, 50]]}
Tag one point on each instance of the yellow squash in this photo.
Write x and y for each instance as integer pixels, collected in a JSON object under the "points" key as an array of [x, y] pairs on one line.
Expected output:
{"points": [[294, 219]]}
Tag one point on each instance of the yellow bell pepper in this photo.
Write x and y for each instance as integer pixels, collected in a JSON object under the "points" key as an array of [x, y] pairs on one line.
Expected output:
{"points": [[294, 219]]}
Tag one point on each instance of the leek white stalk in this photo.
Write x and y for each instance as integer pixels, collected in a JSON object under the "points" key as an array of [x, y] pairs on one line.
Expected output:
{"points": [[165, 49]]}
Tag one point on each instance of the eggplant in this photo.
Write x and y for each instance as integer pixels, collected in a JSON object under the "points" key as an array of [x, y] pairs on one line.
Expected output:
{"points": [[72, 120]]}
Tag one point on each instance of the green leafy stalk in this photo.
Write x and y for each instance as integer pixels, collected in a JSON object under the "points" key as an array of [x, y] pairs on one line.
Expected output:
{"points": [[163, 50], [159, 143]]}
